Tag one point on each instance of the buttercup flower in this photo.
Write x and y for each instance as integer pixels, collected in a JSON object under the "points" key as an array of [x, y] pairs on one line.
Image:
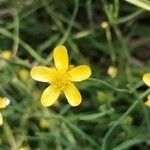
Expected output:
{"points": [[61, 78], [6, 54], [104, 24], [146, 78], [112, 71], [3, 103]]}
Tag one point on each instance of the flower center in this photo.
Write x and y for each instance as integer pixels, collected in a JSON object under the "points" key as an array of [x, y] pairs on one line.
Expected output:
{"points": [[61, 79]]}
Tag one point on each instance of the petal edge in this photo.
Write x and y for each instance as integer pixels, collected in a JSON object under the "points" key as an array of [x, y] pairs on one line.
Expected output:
{"points": [[49, 96], [146, 78], [42, 73], [61, 57], [80, 73], [73, 95]]}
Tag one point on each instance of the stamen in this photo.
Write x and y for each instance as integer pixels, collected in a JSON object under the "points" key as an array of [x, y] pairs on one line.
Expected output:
{"points": [[61, 79]]}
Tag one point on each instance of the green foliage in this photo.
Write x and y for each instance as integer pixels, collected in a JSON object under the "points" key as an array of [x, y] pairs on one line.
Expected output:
{"points": [[145, 4], [30, 29]]}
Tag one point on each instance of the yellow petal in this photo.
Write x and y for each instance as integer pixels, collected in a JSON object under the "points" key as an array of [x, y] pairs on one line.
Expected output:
{"points": [[1, 119], [49, 96], [147, 103], [42, 73], [61, 57], [80, 73], [73, 95], [4, 102], [146, 78]]}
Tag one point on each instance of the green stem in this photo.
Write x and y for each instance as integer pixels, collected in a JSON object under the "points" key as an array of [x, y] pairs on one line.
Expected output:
{"points": [[27, 47], [110, 44], [68, 30], [114, 126], [129, 17], [16, 33], [110, 86]]}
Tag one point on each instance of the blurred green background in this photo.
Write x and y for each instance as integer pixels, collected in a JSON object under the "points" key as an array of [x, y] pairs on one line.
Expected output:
{"points": [[112, 35]]}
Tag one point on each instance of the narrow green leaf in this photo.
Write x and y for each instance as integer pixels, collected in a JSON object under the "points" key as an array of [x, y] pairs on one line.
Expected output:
{"points": [[144, 4], [128, 143], [95, 116]]}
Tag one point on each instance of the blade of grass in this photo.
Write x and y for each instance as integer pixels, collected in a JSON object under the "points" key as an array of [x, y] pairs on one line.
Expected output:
{"points": [[27, 47], [116, 124], [83, 134], [128, 143], [71, 23], [144, 4], [110, 86]]}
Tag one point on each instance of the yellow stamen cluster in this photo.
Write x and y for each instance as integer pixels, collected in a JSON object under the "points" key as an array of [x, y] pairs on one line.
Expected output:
{"points": [[61, 79]]}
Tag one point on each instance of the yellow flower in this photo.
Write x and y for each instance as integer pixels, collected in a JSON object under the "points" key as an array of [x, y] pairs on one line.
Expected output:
{"points": [[4, 102], [104, 24], [6, 54], [112, 71], [44, 123], [146, 78], [147, 103], [61, 78]]}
